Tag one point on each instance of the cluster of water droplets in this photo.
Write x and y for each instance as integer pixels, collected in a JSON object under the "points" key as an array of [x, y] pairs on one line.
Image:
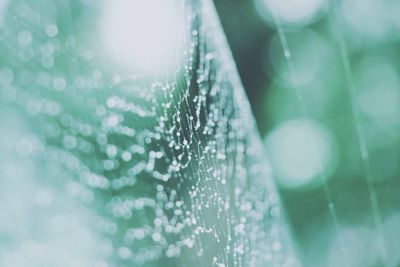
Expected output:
{"points": [[102, 167]]}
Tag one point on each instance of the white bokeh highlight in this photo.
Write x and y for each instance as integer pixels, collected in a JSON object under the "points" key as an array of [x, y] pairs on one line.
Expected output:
{"points": [[141, 35], [302, 153], [291, 12]]}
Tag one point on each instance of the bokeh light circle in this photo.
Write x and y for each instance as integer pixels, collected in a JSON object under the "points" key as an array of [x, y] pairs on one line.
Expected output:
{"points": [[306, 48], [303, 154], [368, 18], [378, 94], [142, 35], [290, 12]]}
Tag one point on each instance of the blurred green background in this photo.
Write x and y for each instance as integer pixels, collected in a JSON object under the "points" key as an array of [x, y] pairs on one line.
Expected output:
{"points": [[328, 108]]}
